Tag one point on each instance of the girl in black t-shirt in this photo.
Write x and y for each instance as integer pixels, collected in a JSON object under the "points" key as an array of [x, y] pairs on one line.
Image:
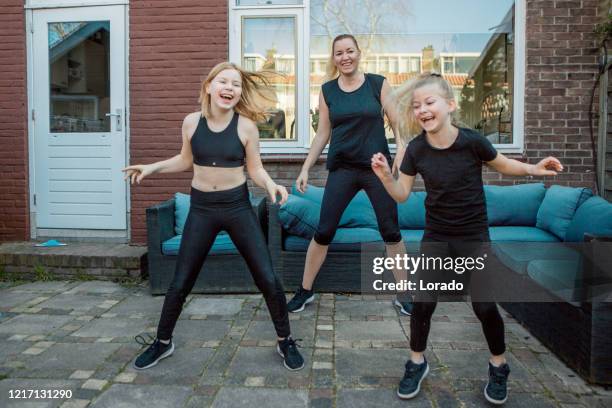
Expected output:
{"points": [[450, 161], [351, 119]]}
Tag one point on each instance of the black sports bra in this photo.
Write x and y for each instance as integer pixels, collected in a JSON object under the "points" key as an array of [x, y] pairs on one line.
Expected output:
{"points": [[217, 149]]}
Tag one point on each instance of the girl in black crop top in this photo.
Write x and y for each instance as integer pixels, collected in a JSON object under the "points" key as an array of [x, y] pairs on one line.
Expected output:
{"points": [[351, 119], [217, 143], [450, 160]]}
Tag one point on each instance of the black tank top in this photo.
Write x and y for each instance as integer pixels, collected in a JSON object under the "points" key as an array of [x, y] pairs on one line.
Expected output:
{"points": [[358, 129], [217, 149]]}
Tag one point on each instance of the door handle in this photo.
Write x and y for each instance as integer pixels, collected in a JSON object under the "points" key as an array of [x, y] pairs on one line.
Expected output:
{"points": [[118, 115]]}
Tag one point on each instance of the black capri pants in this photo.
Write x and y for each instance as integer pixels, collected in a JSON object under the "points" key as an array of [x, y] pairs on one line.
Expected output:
{"points": [[436, 245], [209, 213], [342, 185]]}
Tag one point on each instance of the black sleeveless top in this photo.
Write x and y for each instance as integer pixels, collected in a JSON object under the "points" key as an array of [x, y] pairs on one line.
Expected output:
{"points": [[358, 129], [217, 149]]}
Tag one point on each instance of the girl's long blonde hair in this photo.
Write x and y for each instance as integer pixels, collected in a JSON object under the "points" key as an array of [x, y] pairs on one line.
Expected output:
{"points": [[403, 96], [331, 70], [256, 90]]}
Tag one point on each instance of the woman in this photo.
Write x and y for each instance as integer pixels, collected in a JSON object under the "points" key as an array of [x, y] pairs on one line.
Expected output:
{"points": [[216, 143], [351, 114]]}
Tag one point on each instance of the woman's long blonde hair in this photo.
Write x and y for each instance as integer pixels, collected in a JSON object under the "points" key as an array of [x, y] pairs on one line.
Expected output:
{"points": [[256, 90], [403, 96], [331, 70]]}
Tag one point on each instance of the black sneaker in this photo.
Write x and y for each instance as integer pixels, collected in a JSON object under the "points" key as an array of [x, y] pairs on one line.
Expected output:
{"points": [[496, 390], [300, 300], [404, 304], [287, 349], [410, 385], [155, 352]]}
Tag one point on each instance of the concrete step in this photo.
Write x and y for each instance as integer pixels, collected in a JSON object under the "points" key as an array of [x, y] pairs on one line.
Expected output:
{"points": [[107, 261]]}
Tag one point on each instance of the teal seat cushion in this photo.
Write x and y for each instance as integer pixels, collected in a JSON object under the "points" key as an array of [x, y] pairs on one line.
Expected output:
{"points": [[222, 245], [593, 216], [411, 213], [514, 205], [345, 240], [561, 277], [299, 216], [359, 213], [558, 208], [521, 234], [517, 255], [181, 209]]}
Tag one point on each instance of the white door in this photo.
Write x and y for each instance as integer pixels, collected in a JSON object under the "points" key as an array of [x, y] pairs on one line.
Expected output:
{"points": [[79, 117]]}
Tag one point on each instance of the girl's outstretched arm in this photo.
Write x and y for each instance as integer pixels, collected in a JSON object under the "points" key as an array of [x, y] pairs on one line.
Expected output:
{"points": [[398, 189], [510, 167]]}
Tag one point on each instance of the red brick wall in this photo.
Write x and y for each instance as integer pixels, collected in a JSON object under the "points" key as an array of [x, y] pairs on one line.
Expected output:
{"points": [[14, 222], [173, 45]]}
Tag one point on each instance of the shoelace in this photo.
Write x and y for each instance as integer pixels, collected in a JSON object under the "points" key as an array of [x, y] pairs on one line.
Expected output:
{"points": [[143, 342], [293, 342]]}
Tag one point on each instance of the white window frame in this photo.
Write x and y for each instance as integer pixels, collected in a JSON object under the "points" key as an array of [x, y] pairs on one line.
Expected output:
{"points": [[302, 142]]}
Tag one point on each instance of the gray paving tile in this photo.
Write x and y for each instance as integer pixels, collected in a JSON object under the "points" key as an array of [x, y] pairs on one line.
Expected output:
{"points": [[133, 396], [34, 324], [48, 287], [9, 300], [112, 327], [99, 287], [187, 331], [388, 330], [232, 397], [370, 362], [72, 302], [64, 358], [143, 303], [213, 306], [368, 398], [366, 308]]}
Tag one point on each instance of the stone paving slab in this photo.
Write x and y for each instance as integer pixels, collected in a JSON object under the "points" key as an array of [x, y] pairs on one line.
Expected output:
{"points": [[79, 335]]}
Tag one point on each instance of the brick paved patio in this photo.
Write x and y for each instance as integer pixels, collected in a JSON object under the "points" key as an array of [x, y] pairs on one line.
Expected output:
{"points": [[79, 336]]}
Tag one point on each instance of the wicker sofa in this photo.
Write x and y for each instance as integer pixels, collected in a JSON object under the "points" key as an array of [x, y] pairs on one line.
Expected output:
{"points": [[535, 235], [224, 269]]}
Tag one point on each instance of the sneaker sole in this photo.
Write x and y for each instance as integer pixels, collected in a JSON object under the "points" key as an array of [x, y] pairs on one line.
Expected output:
{"points": [[491, 400], [415, 393], [403, 311], [280, 353], [168, 353], [309, 300]]}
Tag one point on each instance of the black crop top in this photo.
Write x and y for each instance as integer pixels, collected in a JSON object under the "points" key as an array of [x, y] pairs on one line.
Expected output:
{"points": [[217, 149]]}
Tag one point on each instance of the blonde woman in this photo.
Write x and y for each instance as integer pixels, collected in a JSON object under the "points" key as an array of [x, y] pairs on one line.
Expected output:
{"points": [[218, 142], [351, 109]]}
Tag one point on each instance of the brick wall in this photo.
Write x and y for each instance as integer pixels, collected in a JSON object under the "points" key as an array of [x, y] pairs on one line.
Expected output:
{"points": [[14, 222], [173, 45]]}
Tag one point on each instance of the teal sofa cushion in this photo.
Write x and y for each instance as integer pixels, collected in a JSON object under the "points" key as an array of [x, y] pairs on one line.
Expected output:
{"points": [[593, 216], [359, 212], [181, 209], [517, 255], [412, 240], [299, 216], [558, 208], [514, 205], [560, 277], [411, 213], [521, 234], [222, 245], [345, 240]]}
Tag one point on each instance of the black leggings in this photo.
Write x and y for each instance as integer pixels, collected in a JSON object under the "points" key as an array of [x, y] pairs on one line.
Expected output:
{"points": [[439, 245], [209, 213], [342, 185]]}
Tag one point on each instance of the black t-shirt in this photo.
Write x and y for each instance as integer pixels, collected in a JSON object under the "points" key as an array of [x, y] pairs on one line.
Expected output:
{"points": [[455, 202], [358, 128]]}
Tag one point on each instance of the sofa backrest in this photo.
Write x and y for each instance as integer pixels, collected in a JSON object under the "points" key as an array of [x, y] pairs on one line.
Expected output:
{"points": [[593, 216], [515, 205]]}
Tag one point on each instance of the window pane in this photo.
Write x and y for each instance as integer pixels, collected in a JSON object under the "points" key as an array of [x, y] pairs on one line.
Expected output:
{"points": [[268, 43], [471, 41], [267, 2], [79, 77]]}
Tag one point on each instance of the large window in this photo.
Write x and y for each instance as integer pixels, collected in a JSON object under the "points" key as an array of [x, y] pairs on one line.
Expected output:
{"points": [[472, 43]]}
